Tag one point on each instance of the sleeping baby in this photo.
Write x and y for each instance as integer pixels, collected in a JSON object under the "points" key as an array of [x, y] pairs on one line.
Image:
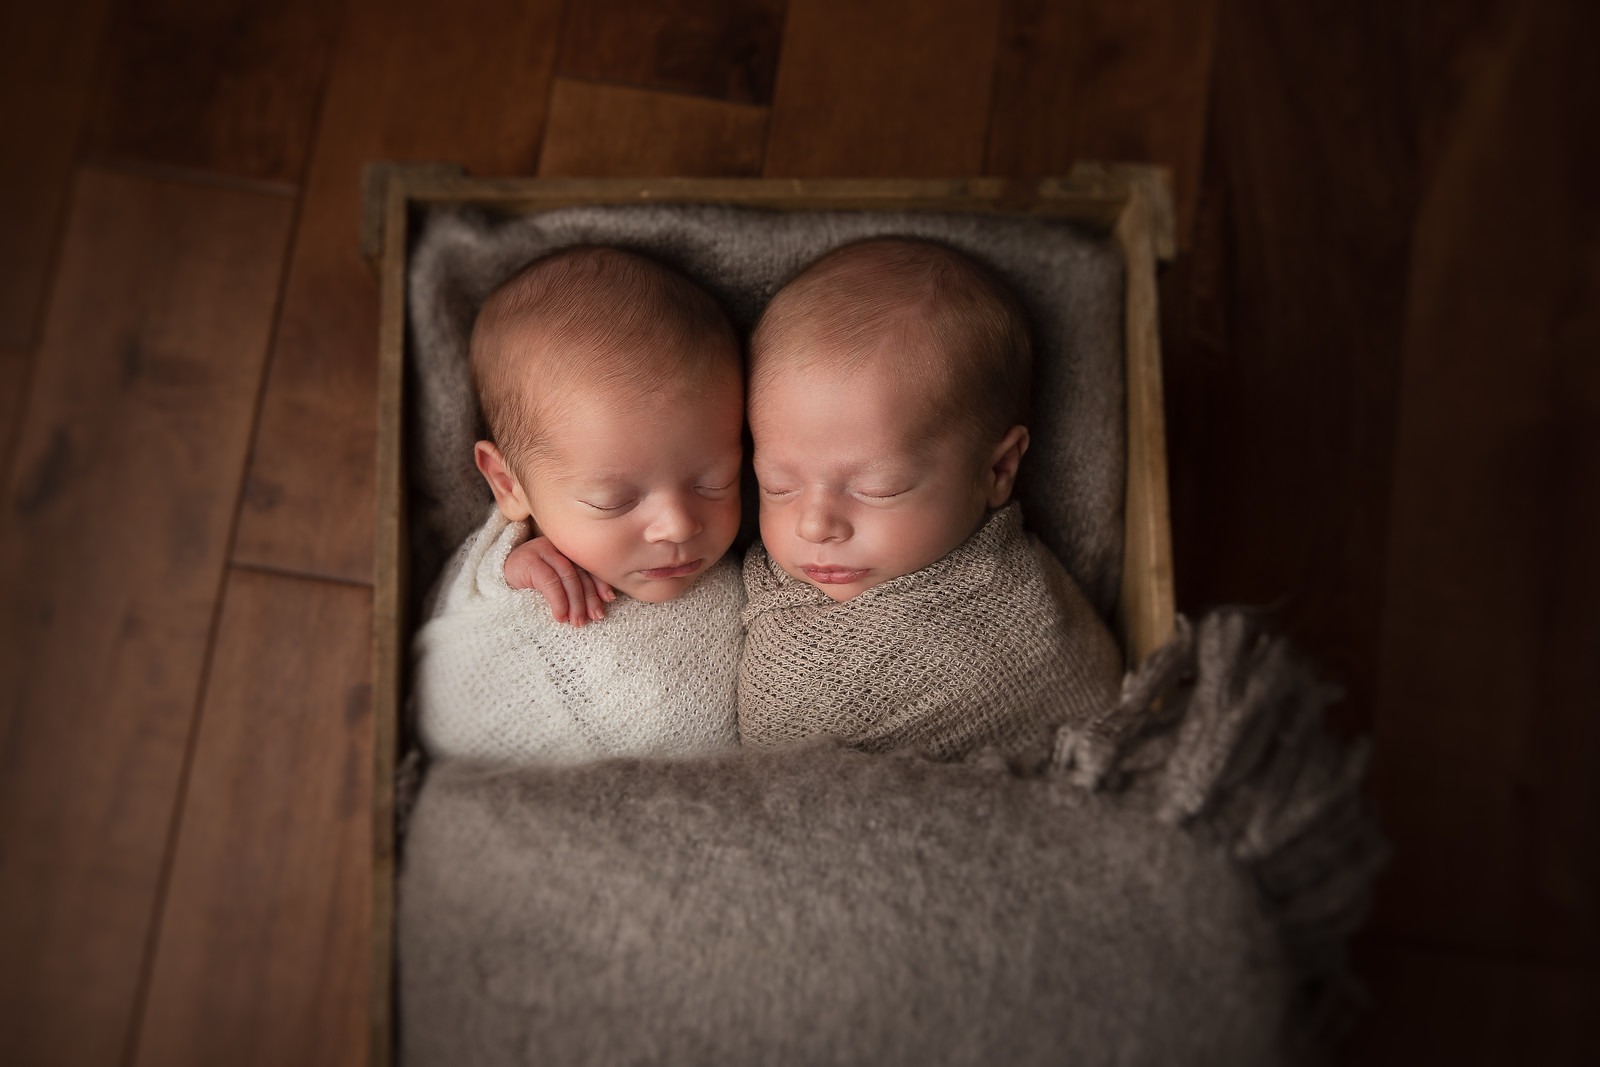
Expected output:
{"points": [[612, 389], [896, 601]]}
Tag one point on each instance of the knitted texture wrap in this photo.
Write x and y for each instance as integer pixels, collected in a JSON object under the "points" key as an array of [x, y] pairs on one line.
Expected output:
{"points": [[991, 645], [499, 681]]}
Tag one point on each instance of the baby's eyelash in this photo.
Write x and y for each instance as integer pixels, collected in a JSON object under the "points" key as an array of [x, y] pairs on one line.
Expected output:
{"points": [[601, 507]]}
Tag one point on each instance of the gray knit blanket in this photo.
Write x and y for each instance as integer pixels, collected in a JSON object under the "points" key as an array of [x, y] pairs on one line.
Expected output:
{"points": [[991, 646], [1174, 886]]}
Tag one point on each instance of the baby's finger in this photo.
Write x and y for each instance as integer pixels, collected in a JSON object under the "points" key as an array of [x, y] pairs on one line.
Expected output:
{"points": [[549, 586], [571, 586], [596, 607], [526, 569], [607, 593]]}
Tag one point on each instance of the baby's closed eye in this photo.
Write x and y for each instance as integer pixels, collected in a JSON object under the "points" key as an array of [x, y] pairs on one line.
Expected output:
{"points": [[607, 505]]}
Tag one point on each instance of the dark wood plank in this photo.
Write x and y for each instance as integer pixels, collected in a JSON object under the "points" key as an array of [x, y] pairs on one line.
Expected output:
{"points": [[46, 87], [230, 86], [111, 560], [726, 49], [1281, 379], [1429, 1006], [612, 131], [1382, 412], [263, 957], [1486, 726], [413, 80], [894, 89], [1091, 80]]}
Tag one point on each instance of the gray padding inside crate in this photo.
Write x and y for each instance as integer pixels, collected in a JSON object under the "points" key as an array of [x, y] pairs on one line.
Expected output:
{"points": [[1071, 484]]}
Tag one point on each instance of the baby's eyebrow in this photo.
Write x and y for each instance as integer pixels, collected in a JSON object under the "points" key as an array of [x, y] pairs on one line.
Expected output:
{"points": [[595, 476], [849, 472]]}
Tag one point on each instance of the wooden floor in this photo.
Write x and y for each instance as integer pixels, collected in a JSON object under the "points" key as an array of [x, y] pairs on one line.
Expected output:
{"points": [[1383, 391]]}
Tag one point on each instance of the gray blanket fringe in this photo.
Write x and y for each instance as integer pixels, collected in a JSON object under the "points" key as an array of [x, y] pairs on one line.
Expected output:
{"points": [[1220, 731]]}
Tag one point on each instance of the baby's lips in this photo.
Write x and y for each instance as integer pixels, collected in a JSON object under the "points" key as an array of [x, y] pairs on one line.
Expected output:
{"points": [[681, 570], [832, 575]]}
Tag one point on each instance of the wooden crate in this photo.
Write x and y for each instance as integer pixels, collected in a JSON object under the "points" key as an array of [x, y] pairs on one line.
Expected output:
{"points": [[1131, 203]]}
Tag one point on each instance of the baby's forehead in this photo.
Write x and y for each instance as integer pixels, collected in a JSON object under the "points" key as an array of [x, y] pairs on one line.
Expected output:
{"points": [[585, 403], [913, 371], [858, 409]]}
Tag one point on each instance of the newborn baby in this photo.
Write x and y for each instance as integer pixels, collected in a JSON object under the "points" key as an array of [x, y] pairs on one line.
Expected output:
{"points": [[612, 388], [896, 599]]}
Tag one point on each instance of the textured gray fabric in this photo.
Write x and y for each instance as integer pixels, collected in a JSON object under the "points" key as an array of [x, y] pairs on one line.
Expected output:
{"points": [[1071, 482], [812, 905], [1174, 887], [990, 645]]}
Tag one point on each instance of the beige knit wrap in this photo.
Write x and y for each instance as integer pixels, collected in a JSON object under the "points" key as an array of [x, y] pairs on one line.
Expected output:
{"points": [[992, 645]]}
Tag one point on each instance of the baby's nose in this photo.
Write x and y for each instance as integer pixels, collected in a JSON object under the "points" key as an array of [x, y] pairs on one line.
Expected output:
{"points": [[675, 522], [820, 522]]}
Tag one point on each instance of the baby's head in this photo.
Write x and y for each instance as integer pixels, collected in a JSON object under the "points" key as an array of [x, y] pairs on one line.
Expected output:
{"points": [[614, 398], [888, 395]]}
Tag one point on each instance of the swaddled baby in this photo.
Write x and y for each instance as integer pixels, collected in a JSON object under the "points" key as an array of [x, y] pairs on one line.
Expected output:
{"points": [[612, 389], [896, 599]]}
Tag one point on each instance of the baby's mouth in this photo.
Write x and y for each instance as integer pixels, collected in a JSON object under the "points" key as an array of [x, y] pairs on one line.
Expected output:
{"points": [[679, 570], [834, 575]]}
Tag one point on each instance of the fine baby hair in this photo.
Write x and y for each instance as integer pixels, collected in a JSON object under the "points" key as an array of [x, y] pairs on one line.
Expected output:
{"points": [[625, 322], [936, 315]]}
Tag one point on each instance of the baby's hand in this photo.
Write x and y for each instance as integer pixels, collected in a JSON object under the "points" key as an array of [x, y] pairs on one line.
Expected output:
{"points": [[574, 595]]}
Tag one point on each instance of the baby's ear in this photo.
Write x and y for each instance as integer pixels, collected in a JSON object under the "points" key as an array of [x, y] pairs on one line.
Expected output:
{"points": [[508, 494], [1000, 477]]}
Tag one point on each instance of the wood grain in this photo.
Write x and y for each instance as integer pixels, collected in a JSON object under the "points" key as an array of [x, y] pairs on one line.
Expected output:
{"points": [[412, 80], [1488, 740], [1088, 80], [230, 86], [46, 87], [111, 557], [893, 89], [605, 130], [725, 49], [263, 951], [1282, 402], [1146, 607]]}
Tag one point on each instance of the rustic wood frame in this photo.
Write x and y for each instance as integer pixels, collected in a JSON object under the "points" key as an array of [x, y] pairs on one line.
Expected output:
{"points": [[1132, 203]]}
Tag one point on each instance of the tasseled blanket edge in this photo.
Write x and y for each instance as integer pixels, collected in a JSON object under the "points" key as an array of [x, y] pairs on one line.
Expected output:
{"points": [[1220, 731]]}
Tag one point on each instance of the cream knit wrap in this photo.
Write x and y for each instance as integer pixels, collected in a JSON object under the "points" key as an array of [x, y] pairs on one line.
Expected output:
{"points": [[499, 681], [992, 645]]}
